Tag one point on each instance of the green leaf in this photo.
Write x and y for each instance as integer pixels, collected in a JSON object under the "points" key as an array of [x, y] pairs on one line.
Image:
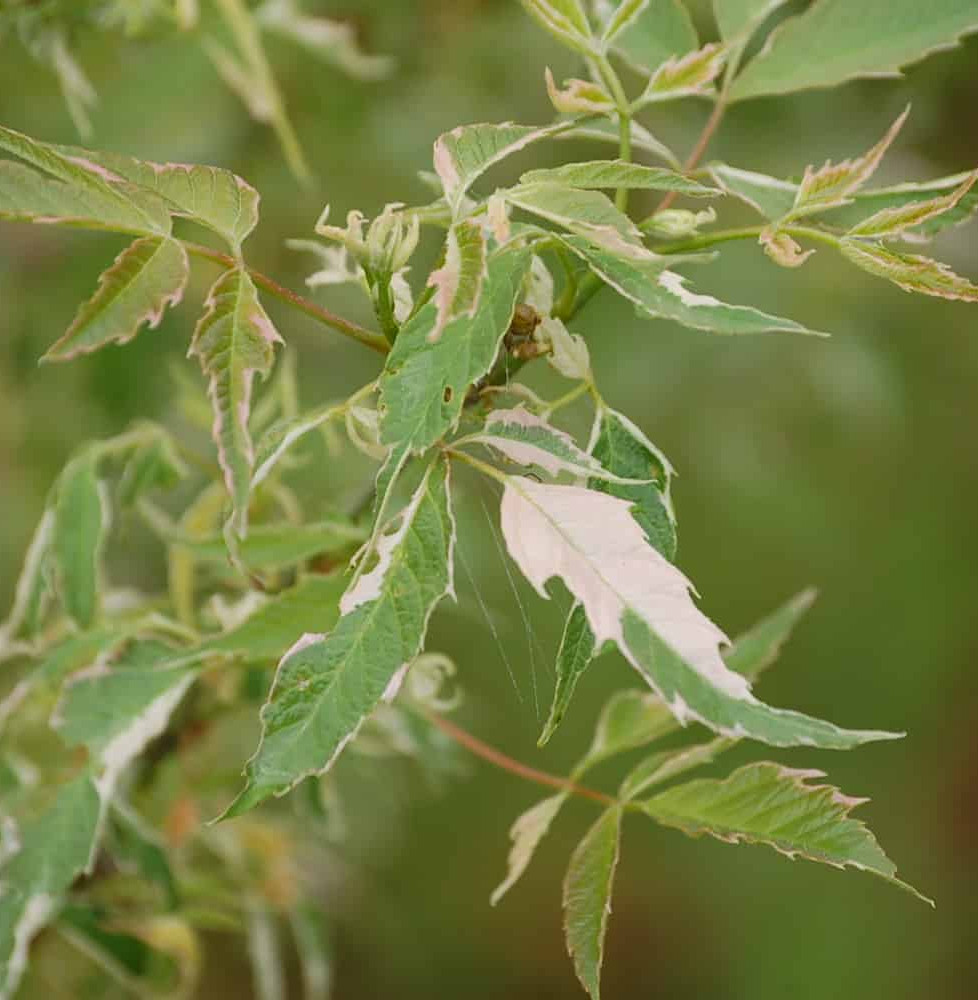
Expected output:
{"points": [[116, 712], [613, 174], [771, 197], [311, 604], [576, 651], [31, 590], [80, 520], [669, 764], [564, 19], [155, 464], [590, 214], [768, 804], [836, 40], [634, 597], [463, 155], [754, 651], [910, 272], [312, 943], [525, 834], [327, 685], [76, 190], [422, 390], [663, 295], [605, 131], [277, 546], [458, 283], [655, 32], [739, 19], [587, 898], [895, 220], [56, 848], [146, 277], [234, 341], [210, 196]]}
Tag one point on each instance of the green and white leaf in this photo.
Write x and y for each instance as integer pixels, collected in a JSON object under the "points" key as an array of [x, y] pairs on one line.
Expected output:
{"points": [[606, 131], [587, 898], [327, 685], [526, 833], [662, 294], [739, 19], [31, 590], [589, 214], [635, 598], [147, 277], [896, 220], [579, 97], [526, 439], [422, 390], [837, 40], [81, 518], [569, 352], [574, 655], [463, 155], [667, 765], [55, 849], [689, 76], [458, 282], [769, 804], [910, 272], [614, 174], [648, 34], [234, 341]]}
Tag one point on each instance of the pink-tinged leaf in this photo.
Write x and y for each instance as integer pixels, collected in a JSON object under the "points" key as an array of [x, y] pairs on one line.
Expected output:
{"points": [[579, 96], [909, 271], [564, 19], [458, 283], [147, 277], [895, 221], [688, 76], [832, 184], [782, 249], [587, 898], [234, 341], [769, 804]]}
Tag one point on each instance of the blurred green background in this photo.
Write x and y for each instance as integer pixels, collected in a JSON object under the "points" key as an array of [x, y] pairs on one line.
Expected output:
{"points": [[849, 464]]}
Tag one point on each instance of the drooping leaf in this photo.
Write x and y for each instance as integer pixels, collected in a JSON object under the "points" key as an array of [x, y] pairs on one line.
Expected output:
{"points": [[55, 849], [894, 221], [73, 189], [589, 214], [312, 942], [458, 282], [738, 19], [210, 196], [564, 19], [527, 831], [587, 898], [80, 521], [768, 804], [910, 272], [689, 76], [574, 655], [422, 390], [634, 597], [31, 590], [782, 248], [650, 34], [527, 439], [832, 184], [327, 685], [836, 40], [463, 155], [663, 294], [234, 341], [277, 625], [154, 465], [147, 277], [579, 97], [116, 712], [618, 174]]}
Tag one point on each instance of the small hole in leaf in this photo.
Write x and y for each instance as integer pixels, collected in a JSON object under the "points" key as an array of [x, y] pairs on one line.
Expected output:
{"points": [[448, 393]]}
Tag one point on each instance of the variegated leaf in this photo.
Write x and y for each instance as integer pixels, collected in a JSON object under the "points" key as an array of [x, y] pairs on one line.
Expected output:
{"points": [[910, 272], [578, 97], [564, 19], [527, 831], [781, 248], [458, 282], [147, 277], [689, 76], [895, 220], [234, 341], [634, 597], [612, 174], [327, 685]]}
